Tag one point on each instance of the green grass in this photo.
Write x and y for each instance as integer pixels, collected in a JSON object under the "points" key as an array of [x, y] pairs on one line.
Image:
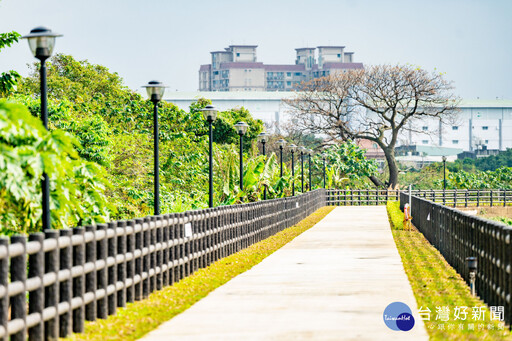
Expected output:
{"points": [[141, 317], [436, 284], [396, 217], [504, 220]]}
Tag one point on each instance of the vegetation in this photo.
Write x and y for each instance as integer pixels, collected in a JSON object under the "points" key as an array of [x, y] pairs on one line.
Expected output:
{"points": [[375, 104], [143, 316], [436, 285], [8, 79], [395, 215], [105, 134], [489, 163]]}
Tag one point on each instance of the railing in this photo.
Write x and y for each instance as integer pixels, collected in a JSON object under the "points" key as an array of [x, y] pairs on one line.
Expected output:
{"points": [[458, 235], [353, 197], [467, 197], [86, 273]]}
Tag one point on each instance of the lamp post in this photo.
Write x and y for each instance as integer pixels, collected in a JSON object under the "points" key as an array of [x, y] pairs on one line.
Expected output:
{"points": [[210, 115], [156, 91], [282, 144], [41, 41], [292, 150], [323, 157], [310, 152], [444, 173], [262, 137], [303, 151], [241, 129]]}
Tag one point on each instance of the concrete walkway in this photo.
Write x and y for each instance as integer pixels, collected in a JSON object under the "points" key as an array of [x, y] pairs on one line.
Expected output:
{"points": [[333, 282]]}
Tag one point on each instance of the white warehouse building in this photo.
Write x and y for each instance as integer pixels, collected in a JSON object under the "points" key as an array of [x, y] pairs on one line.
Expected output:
{"points": [[481, 124]]}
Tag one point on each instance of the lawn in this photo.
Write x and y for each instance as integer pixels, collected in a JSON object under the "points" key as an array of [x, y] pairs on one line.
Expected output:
{"points": [[438, 287], [141, 317]]}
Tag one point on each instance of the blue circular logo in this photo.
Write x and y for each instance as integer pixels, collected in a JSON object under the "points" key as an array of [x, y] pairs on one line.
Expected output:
{"points": [[398, 316]]}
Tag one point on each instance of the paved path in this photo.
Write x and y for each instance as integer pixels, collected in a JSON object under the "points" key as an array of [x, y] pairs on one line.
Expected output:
{"points": [[333, 282]]}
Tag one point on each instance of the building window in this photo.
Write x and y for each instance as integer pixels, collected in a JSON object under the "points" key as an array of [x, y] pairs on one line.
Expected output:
{"points": [[288, 83], [485, 128], [455, 141], [424, 141], [298, 74], [486, 141], [238, 54], [288, 74], [339, 55], [455, 128], [425, 128], [375, 146]]}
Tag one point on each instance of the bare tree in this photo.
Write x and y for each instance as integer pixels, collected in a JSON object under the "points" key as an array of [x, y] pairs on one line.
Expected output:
{"points": [[373, 104]]}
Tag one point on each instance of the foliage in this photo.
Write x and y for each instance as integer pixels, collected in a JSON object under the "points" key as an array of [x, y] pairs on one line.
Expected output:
{"points": [[8, 79], [501, 178], [488, 163], [395, 215], [504, 220], [139, 318], [28, 150]]}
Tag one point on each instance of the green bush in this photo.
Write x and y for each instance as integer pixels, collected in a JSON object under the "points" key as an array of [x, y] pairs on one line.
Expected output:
{"points": [[396, 216]]}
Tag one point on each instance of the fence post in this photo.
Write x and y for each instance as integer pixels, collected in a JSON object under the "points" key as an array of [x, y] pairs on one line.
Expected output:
{"points": [[36, 297], [112, 270], [121, 268], [91, 283], [102, 277], [504, 197], [19, 274], [491, 197], [139, 246], [79, 282], [130, 266], [66, 286]]}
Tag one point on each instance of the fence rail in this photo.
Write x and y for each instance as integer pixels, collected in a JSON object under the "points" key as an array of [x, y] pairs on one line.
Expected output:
{"points": [[467, 197], [358, 197], [458, 235], [86, 273]]}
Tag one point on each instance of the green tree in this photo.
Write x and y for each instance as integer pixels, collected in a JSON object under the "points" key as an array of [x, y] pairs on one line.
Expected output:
{"points": [[8, 79]]}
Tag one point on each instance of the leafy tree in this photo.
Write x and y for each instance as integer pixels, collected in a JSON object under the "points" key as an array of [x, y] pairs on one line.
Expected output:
{"points": [[8, 79], [26, 151]]}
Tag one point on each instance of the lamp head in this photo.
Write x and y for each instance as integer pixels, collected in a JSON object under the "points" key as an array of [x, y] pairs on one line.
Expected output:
{"points": [[241, 128], [156, 90], [210, 113], [41, 41]]}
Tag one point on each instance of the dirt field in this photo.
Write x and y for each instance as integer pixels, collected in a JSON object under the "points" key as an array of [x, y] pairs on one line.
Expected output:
{"points": [[488, 212]]}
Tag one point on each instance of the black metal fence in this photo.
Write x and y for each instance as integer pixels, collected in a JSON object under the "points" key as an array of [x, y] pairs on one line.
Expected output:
{"points": [[458, 235], [51, 282], [358, 197], [467, 197]]}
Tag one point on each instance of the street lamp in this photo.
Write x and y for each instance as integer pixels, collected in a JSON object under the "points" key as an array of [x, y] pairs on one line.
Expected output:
{"points": [[282, 144], [444, 173], [292, 150], [41, 41], [262, 137], [210, 115], [156, 91], [310, 152], [303, 150], [241, 129], [323, 157]]}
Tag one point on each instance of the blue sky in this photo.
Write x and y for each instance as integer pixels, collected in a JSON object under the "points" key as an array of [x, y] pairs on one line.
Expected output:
{"points": [[469, 40]]}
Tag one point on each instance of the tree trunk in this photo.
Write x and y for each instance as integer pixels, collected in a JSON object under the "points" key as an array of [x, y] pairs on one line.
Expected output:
{"points": [[389, 152], [376, 181]]}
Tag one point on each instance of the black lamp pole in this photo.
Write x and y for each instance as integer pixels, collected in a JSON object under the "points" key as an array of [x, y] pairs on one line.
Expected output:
{"points": [[324, 170], [444, 173], [310, 182], [41, 41], [293, 174], [241, 162], [210, 114], [302, 170], [155, 91], [265, 187]]}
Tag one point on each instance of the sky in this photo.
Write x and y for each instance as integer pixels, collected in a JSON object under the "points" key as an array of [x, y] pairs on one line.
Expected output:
{"points": [[468, 40]]}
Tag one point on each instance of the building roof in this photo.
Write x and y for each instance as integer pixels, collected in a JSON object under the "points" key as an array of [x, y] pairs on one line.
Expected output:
{"points": [[338, 47], [346, 66], [485, 103], [305, 48], [205, 67], [241, 65], [431, 150], [228, 95], [349, 52], [220, 52], [243, 45], [285, 67]]}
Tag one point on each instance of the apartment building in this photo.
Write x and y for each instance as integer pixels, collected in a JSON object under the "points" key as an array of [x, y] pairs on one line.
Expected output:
{"points": [[236, 69]]}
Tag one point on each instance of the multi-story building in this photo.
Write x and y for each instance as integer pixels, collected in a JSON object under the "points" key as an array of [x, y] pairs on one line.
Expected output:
{"points": [[237, 69]]}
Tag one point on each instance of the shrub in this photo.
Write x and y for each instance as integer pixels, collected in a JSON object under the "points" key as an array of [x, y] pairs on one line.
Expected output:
{"points": [[396, 216]]}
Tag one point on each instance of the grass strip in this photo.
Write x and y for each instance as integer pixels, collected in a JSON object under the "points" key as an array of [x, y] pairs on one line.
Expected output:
{"points": [[436, 284], [140, 317]]}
